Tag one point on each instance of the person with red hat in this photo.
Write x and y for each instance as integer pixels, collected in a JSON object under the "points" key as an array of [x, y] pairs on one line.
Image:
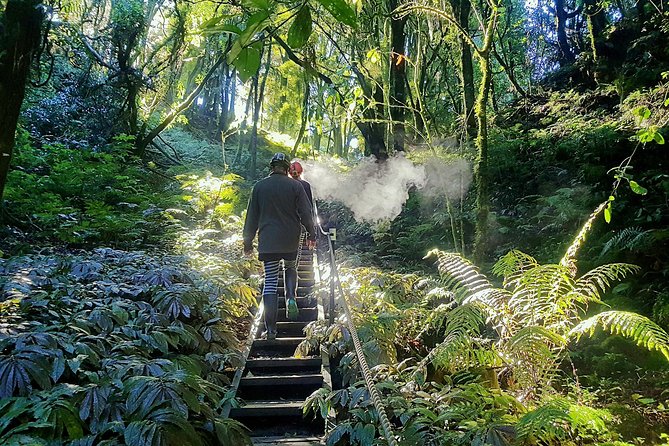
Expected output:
{"points": [[277, 211], [296, 172]]}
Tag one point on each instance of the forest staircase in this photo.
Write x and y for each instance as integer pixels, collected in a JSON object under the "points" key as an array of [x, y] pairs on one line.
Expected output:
{"points": [[274, 383]]}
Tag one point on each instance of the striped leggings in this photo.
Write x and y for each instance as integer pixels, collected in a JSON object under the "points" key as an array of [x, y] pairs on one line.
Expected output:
{"points": [[272, 274], [272, 268]]}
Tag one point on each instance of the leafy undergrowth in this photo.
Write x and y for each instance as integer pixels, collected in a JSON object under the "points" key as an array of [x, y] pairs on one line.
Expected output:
{"points": [[120, 346], [460, 361]]}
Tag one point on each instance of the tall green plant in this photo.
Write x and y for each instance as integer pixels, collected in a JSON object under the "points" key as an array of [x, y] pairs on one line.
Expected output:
{"points": [[538, 311]]}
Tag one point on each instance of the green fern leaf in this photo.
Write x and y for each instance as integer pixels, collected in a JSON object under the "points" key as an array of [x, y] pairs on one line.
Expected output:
{"points": [[512, 265], [640, 329], [460, 274]]}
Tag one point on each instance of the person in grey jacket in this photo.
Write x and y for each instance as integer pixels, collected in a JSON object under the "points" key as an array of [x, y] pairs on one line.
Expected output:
{"points": [[277, 210]]}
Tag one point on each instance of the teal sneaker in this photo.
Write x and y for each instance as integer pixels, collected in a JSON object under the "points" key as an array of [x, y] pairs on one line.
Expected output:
{"points": [[292, 312]]}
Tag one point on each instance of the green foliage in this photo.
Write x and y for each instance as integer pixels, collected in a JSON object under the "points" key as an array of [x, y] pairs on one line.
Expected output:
{"points": [[112, 338], [460, 361], [560, 420], [341, 11], [84, 197], [640, 329], [300, 30]]}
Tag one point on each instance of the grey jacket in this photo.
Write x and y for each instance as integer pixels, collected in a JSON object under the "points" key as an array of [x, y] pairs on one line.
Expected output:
{"points": [[277, 206]]}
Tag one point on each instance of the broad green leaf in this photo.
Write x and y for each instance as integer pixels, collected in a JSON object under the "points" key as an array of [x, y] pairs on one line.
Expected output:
{"points": [[224, 28], [373, 55], [264, 5], [645, 135], [300, 30], [607, 213], [642, 112], [255, 24], [638, 189], [212, 22], [658, 138], [248, 62], [341, 11]]}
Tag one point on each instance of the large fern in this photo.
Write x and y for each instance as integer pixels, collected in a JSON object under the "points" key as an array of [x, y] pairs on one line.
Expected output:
{"points": [[532, 318], [558, 420], [640, 329]]}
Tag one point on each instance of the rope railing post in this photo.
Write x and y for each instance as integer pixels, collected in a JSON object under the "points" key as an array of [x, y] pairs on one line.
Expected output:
{"points": [[332, 238], [364, 367]]}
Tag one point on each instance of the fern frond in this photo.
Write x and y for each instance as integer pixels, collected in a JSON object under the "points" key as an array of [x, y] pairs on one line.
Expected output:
{"points": [[462, 276], [461, 352], [534, 353], [546, 423], [436, 318], [466, 319], [512, 265], [559, 419], [569, 259], [535, 338], [538, 297], [640, 329], [458, 350], [597, 281], [632, 239]]}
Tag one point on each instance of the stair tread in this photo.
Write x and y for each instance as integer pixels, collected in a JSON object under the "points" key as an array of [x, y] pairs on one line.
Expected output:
{"points": [[296, 376], [287, 441], [280, 341], [256, 404]]}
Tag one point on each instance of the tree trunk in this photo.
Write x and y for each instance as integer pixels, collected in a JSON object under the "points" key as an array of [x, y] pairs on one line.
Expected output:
{"points": [[565, 54], [397, 78], [597, 22], [257, 107], [20, 36], [253, 143], [481, 167], [463, 12], [304, 118], [143, 142]]}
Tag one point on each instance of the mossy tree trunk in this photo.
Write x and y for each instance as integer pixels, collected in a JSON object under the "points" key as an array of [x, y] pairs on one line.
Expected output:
{"points": [[462, 10], [20, 35], [481, 174], [398, 78]]}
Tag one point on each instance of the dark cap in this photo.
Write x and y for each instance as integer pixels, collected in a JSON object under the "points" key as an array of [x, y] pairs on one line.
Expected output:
{"points": [[280, 159]]}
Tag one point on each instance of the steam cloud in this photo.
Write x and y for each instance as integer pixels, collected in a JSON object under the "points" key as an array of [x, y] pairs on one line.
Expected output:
{"points": [[375, 192]]}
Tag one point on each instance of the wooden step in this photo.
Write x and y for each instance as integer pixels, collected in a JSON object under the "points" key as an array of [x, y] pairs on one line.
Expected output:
{"points": [[291, 328], [288, 441], [283, 346], [268, 409], [302, 302], [284, 387], [260, 366], [306, 315], [297, 379], [278, 418]]}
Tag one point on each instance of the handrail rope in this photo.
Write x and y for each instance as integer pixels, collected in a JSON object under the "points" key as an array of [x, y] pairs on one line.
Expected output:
{"points": [[364, 367]]}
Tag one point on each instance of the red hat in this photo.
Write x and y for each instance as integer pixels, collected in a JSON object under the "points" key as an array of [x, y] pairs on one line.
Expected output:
{"points": [[296, 168]]}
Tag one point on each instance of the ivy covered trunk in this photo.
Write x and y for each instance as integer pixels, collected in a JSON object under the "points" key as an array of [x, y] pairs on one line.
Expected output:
{"points": [[481, 167], [21, 29], [462, 9], [481, 174], [398, 78]]}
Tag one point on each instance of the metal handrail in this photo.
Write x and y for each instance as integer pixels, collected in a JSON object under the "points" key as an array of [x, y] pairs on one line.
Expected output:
{"points": [[364, 367]]}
